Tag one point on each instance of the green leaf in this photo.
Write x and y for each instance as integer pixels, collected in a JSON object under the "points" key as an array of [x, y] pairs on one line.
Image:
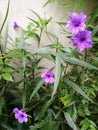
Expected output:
{"points": [[22, 41], [33, 21], [5, 126], [44, 50], [78, 62], [48, 2], [94, 58], [0, 76], [50, 124], [1, 104], [38, 125], [61, 23], [81, 4], [70, 121], [95, 30], [36, 14], [2, 90], [57, 73], [93, 17], [95, 39], [32, 34], [76, 88], [68, 3], [39, 85], [7, 76], [45, 107], [24, 99], [53, 37], [7, 69]]}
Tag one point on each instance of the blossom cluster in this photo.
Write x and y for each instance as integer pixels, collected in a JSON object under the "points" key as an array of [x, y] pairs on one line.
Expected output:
{"points": [[20, 115], [81, 37]]}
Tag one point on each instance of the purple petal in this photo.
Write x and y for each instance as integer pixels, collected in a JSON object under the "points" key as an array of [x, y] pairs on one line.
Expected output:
{"points": [[80, 47], [15, 26], [47, 80], [16, 116], [73, 15], [83, 17], [43, 75], [51, 80], [74, 40], [15, 110], [20, 120]]}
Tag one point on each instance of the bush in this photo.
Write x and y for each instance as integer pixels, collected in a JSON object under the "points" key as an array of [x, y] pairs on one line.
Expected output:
{"points": [[37, 97]]}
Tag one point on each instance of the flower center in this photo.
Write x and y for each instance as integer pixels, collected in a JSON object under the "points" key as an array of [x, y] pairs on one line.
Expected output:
{"points": [[82, 39], [22, 115], [48, 75], [76, 23]]}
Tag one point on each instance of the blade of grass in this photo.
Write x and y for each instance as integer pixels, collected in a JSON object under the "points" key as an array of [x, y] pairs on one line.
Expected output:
{"points": [[5, 17]]}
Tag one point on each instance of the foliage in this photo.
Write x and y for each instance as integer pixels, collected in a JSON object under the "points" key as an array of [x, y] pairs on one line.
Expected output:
{"points": [[69, 103]]}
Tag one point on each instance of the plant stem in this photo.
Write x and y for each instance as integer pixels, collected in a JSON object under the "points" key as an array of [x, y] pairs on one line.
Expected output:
{"points": [[40, 37], [85, 55], [60, 107], [83, 69]]}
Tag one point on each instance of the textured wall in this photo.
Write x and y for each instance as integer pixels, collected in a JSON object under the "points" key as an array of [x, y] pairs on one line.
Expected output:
{"points": [[19, 10]]}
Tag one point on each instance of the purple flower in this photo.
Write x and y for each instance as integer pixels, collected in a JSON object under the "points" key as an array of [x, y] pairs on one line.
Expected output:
{"points": [[20, 115], [76, 22], [82, 40], [15, 26], [48, 77]]}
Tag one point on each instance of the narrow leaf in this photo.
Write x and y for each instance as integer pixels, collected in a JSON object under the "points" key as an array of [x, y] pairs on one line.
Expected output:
{"points": [[36, 14], [68, 3], [39, 85], [57, 73], [33, 21], [70, 121], [45, 107], [61, 23], [48, 2], [24, 99], [95, 30], [76, 61], [44, 50], [76, 88], [1, 104], [53, 37]]}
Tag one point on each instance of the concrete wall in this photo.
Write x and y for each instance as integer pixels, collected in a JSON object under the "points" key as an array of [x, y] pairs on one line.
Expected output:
{"points": [[19, 10]]}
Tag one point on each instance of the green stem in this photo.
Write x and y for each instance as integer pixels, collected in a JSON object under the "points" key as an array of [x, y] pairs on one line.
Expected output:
{"points": [[24, 67], [60, 107], [40, 37], [85, 55], [83, 69]]}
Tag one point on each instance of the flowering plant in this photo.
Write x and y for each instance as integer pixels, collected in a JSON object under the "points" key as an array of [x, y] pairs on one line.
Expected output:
{"points": [[61, 96]]}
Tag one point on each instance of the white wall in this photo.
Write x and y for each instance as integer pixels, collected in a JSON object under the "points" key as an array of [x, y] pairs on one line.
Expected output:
{"points": [[19, 10]]}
